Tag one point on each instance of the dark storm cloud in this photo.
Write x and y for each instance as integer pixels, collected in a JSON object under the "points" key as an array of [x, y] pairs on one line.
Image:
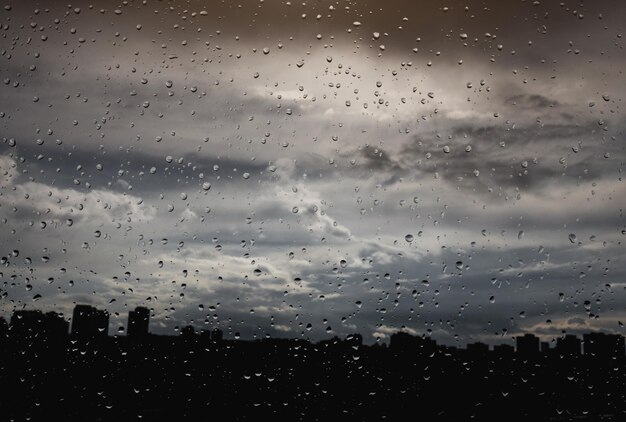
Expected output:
{"points": [[73, 167], [399, 22], [527, 157], [377, 160], [491, 135], [532, 101]]}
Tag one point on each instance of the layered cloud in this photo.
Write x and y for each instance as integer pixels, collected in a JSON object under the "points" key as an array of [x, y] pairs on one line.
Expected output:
{"points": [[311, 170]]}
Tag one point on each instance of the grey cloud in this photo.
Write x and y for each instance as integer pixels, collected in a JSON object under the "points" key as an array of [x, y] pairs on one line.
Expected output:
{"points": [[533, 101]]}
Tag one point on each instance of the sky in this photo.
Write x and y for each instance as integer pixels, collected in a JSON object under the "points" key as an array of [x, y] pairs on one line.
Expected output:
{"points": [[314, 169]]}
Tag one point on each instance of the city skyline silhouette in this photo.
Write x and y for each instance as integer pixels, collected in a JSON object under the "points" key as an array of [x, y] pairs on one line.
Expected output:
{"points": [[90, 323], [82, 373]]}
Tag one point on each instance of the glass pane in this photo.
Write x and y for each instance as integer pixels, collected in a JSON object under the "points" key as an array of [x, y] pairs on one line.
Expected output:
{"points": [[312, 210]]}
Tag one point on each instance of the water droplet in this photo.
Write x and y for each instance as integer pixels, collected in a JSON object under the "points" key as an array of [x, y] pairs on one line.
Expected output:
{"points": [[409, 238]]}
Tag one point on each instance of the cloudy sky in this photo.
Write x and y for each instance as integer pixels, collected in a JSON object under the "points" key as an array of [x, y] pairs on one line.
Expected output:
{"points": [[311, 169]]}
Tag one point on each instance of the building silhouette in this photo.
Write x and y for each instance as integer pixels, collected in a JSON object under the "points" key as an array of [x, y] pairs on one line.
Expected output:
{"points": [[89, 323], [138, 322], [217, 335], [478, 349], [33, 326], [405, 342], [568, 345], [4, 329], [354, 339], [527, 345], [26, 324], [603, 345], [503, 350]]}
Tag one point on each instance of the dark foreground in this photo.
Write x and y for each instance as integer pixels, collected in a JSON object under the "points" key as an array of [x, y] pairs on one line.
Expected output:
{"points": [[176, 378]]}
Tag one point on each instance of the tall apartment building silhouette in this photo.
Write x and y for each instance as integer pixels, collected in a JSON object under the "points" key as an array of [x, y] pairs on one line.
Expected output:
{"points": [[89, 323], [138, 322]]}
